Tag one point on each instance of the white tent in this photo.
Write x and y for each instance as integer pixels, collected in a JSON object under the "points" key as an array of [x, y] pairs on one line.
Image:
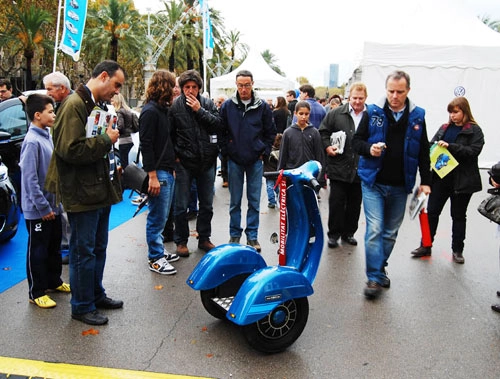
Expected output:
{"points": [[267, 82], [447, 53]]}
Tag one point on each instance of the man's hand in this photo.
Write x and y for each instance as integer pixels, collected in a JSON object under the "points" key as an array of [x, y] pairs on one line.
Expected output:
{"points": [[424, 189], [193, 103], [331, 151], [154, 184], [112, 133], [376, 149], [50, 216]]}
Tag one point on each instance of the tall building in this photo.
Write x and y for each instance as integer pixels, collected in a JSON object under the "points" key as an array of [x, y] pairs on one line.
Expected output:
{"points": [[333, 80]]}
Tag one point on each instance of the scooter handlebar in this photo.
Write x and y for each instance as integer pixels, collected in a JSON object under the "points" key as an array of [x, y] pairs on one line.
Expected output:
{"points": [[271, 174], [315, 184]]}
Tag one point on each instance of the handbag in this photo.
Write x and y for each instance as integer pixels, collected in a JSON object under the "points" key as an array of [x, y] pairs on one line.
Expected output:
{"points": [[490, 208], [135, 178]]}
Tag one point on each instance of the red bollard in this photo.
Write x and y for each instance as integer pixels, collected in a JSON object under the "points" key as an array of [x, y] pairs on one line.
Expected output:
{"points": [[425, 229]]}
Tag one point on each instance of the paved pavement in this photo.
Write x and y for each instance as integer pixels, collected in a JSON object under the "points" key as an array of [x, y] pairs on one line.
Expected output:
{"points": [[434, 322]]}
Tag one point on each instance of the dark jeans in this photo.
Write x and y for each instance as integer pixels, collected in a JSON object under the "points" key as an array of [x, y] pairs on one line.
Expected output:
{"points": [[43, 260], [442, 190], [87, 257], [344, 208], [205, 187]]}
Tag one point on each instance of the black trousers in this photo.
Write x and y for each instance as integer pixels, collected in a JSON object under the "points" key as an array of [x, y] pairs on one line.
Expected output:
{"points": [[442, 190], [344, 208], [43, 260]]}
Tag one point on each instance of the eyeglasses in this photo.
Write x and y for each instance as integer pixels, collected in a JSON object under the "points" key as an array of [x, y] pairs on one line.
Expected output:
{"points": [[246, 85]]}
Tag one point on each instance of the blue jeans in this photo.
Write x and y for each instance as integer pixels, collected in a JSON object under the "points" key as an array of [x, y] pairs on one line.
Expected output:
{"points": [[384, 208], [159, 207], [236, 175], [205, 186], [87, 257], [271, 192]]}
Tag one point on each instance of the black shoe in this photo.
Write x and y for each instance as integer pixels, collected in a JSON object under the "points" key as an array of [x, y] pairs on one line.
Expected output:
{"points": [[108, 303], [421, 252], [91, 318], [496, 307], [498, 293], [385, 282], [191, 215], [458, 257], [350, 240], [333, 243], [372, 290]]}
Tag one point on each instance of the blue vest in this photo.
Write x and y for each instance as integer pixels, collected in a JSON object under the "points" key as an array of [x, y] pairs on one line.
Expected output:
{"points": [[378, 123]]}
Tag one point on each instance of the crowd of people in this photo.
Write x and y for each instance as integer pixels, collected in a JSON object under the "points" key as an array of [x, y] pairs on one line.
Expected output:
{"points": [[371, 154]]}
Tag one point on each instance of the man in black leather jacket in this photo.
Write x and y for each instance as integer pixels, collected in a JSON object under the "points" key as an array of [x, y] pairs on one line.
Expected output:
{"points": [[196, 124]]}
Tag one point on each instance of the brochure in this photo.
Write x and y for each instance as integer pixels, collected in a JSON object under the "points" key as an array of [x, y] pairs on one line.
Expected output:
{"points": [[98, 121], [337, 139], [442, 161], [417, 202]]}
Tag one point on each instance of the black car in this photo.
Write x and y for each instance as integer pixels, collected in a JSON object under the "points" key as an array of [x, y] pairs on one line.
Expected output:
{"points": [[13, 127]]}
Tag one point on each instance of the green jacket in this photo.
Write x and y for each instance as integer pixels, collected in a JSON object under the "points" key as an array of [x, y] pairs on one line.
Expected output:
{"points": [[79, 171]]}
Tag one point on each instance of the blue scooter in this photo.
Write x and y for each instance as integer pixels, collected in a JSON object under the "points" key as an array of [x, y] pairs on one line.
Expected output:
{"points": [[269, 302]]}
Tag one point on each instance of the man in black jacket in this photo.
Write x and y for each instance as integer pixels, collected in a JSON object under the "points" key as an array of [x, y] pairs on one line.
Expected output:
{"points": [[196, 124], [342, 165]]}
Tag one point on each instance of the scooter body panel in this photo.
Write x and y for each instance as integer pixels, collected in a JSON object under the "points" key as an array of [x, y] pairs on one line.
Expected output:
{"points": [[266, 289], [223, 263]]}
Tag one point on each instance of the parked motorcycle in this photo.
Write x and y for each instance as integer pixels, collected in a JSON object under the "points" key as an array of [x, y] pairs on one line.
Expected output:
{"points": [[269, 302]]}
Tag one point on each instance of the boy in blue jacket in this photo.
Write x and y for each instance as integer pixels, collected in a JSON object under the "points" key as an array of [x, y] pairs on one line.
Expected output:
{"points": [[42, 214]]}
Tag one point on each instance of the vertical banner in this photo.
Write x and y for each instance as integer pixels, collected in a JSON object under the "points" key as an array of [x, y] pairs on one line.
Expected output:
{"points": [[208, 37], [75, 14]]}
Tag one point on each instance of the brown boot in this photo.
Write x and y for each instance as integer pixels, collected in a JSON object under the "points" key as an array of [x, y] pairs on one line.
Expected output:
{"points": [[182, 250]]}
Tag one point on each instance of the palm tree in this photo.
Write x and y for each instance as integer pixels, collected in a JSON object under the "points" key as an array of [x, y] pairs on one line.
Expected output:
{"points": [[26, 33], [233, 41], [113, 26], [271, 61], [492, 24]]}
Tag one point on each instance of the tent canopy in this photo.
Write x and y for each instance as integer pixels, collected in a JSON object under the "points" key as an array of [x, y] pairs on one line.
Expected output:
{"points": [[447, 53], [267, 82]]}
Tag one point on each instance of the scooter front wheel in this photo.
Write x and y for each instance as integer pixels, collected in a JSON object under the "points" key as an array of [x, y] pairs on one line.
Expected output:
{"points": [[280, 328]]}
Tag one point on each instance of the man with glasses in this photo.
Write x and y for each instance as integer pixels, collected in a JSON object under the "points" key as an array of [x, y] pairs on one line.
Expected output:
{"points": [[249, 133], [5, 90]]}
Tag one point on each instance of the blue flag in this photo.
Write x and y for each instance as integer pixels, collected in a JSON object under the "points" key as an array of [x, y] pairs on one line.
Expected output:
{"points": [[75, 14], [208, 37]]}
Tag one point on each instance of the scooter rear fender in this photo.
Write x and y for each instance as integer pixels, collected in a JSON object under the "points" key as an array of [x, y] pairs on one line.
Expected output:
{"points": [[223, 263], [264, 290]]}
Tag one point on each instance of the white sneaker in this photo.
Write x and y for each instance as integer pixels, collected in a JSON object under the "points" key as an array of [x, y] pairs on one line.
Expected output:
{"points": [[170, 257], [161, 266], [137, 201]]}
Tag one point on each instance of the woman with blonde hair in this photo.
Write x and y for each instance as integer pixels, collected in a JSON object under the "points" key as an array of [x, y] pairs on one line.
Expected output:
{"points": [[127, 124]]}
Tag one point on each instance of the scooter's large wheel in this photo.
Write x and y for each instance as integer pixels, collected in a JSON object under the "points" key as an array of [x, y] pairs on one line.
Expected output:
{"points": [[224, 293], [280, 328]]}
